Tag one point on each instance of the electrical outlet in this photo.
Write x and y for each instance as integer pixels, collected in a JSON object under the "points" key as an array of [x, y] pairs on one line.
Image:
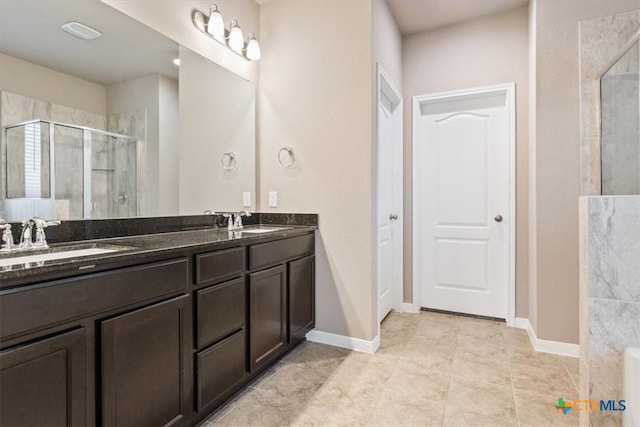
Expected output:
{"points": [[246, 199], [273, 199]]}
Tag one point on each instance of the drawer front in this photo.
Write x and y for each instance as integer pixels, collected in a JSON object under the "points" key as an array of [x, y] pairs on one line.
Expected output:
{"points": [[219, 368], [221, 311], [45, 305], [219, 265], [266, 254]]}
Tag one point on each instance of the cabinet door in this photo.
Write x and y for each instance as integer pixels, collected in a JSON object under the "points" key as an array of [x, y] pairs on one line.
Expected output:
{"points": [[146, 365], [43, 383], [301, 298], [267, 315]]}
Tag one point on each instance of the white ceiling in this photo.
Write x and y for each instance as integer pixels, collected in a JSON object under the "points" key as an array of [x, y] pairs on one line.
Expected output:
{"points": [[413, 16], [128, 49]]}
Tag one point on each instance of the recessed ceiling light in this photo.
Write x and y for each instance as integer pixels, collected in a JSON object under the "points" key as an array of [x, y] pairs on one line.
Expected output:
{"points": [[177, 61], [81, 31]]}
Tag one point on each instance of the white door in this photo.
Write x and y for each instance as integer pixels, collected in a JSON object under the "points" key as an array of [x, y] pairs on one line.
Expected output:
{"points": [[389, 198], [463, 155]]}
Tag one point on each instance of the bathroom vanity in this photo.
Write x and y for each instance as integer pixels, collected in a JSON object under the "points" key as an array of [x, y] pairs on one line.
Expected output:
{"points": [[161, 330]]}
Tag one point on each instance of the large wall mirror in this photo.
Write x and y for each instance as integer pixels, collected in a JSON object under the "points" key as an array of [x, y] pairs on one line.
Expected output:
{"points": [[126, 124]]}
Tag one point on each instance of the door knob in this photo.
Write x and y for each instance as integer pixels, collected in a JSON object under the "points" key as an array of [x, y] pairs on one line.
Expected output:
{"points": [[393, 217], [498, 218]]}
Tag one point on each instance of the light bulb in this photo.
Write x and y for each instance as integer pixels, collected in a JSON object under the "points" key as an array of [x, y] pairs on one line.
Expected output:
{"points": [[253, 48], [236, 39], [215, 25]]}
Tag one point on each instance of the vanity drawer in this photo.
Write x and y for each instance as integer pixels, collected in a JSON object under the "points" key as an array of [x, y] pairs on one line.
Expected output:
{"points": [[266, 254], [221, 310], [48, 304], [219, 265], [219, 368]]}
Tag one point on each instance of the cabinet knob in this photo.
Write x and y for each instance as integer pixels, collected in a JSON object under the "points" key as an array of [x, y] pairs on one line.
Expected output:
{"points": [[498, 218], [393, 217]]}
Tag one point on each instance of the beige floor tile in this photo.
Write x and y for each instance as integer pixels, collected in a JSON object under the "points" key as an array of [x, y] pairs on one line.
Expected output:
{"points": [[390, 413], [571, 363], [479, 350], [294, 381], [410, 389], [483, 399], [454, 416], [543, 380], [260, 408], [432, 369], [539, 410], [492, 373]]}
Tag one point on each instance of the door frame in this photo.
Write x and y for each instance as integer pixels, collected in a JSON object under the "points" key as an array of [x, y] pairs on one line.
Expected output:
{"points": [[509, 90], [384, 85]]}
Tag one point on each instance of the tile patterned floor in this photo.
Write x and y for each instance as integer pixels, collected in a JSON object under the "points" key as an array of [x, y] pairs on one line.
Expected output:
{"points": [[432, 369]]}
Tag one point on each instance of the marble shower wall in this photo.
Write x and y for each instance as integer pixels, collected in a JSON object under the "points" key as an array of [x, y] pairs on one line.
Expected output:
{"points": [[609, 296], [601, 40]]}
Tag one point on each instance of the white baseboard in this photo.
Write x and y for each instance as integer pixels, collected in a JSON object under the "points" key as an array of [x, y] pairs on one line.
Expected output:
{"points": [[545, 346], [343, 341], [408, 307]]}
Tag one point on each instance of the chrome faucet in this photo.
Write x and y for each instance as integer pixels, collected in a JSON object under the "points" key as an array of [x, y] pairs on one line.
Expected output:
{"points": [[26, 241], [7, 237], [234, 221], [238, 219]]}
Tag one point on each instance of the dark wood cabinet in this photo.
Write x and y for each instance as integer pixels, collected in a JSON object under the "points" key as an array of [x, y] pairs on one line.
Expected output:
{"points": [[301, 286], [145, 365], [44, 382], [219, 368], [267, 315]]}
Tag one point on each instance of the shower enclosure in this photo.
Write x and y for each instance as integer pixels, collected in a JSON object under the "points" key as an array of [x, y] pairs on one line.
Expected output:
{"points": [[620, 124], [63, 171]]}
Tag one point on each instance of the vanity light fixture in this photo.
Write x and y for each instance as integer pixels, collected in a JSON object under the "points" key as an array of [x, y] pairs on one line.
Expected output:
{"points": [[215, 23], [235, 39], [252, 51], [213, 26], [81, 31]]}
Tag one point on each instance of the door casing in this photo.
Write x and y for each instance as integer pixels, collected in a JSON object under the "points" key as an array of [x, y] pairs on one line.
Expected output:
{"points": [[508, 89], [384, 85]]}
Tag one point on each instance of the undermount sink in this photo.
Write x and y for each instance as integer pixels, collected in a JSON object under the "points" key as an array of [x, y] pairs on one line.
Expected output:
{"points": [[53, 254], [263, 230]]}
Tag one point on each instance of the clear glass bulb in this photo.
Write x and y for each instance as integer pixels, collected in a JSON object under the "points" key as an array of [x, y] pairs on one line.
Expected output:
{"points": [[253, 48], [215, 25], [236, 39]]}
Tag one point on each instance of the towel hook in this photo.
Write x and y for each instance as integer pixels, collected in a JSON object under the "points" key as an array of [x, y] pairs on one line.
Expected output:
{"points": [[229, 162], [292, 157]]}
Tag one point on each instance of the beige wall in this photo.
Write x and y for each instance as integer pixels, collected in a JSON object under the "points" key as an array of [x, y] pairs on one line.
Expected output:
{"points": [[34, 81], [217, 115], [557, 159], [486, 51], [173, 19], [315, 95], [386, 42]]}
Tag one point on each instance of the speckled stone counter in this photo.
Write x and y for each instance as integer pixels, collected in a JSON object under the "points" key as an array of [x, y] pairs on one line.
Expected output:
{"points": [[141, 248]]}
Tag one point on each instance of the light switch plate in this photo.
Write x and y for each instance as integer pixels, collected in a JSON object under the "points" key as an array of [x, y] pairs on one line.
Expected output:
{"points": [[246, 199], [273, 199]]}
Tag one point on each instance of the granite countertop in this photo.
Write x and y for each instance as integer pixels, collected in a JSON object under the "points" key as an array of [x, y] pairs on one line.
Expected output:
{"points": [[137, 249]]}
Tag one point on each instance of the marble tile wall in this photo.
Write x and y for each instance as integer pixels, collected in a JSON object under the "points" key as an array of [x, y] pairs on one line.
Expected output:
{"points": [[601, 40], [609, 296]]}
